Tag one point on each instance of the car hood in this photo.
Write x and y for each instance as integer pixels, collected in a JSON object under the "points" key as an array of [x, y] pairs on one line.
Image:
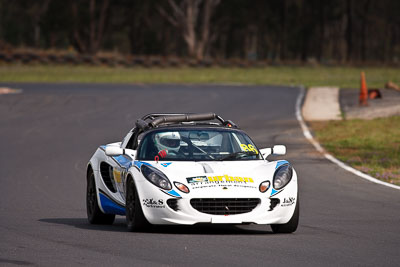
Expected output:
{"points": [[237, 175]]}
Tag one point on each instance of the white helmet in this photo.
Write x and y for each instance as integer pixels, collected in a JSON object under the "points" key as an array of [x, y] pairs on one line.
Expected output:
{"points": [[170, 141]]}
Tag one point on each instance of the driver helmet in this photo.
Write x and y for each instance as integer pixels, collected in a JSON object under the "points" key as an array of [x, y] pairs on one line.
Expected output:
{"points": [[169, 141]]}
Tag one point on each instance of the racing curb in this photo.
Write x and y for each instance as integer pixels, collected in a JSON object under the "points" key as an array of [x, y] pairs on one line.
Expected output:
{"points": [[318, 147], [6, 90]]}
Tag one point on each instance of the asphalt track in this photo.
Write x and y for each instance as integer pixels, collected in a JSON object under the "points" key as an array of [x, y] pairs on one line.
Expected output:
{"points": [[48, 133]]}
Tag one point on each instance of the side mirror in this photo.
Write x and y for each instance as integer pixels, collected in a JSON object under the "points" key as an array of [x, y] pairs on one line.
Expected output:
{"points": [[114, 151], [277, 150]]}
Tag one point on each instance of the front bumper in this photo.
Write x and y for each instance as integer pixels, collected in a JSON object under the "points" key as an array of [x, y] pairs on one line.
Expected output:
{"points": [[273, 208]]}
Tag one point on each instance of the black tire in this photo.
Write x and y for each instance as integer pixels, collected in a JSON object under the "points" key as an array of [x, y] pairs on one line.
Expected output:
{"points": [[135, 219], [291, 225], [94, 214]]}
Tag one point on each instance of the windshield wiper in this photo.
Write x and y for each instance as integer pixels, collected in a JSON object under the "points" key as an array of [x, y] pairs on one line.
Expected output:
{"points": [[235, 155], [189, 142], [201, 150]]}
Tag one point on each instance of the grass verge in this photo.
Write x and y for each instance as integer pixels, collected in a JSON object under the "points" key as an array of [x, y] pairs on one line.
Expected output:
{"points": [[344, 77], [371, 146]]}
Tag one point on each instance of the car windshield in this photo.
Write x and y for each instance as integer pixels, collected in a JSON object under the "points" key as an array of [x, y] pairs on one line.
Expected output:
{"points": [[197, 145]]}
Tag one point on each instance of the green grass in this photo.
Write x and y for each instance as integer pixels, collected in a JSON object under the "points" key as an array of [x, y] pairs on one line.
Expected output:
{"points": [[345, 77], [372, 146]]}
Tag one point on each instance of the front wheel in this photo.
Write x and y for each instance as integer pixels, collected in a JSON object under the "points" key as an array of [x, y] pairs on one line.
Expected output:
{"points": [[94, 214], [135, 219], [291, 225]]}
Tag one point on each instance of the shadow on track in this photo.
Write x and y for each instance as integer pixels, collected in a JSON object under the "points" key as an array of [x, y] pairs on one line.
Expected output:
{"points": [[82, 223], [120, 226], [16, 262]]}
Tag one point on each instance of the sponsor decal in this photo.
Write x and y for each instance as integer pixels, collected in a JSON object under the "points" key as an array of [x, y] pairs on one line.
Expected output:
{"points": [[197, 179], [153, 203], [225, 179], [166, 164], [198, 186], [242, 186], [222, 186], [230, 179], [224, 182], [162, 154], [117, 175], [288, 201]]}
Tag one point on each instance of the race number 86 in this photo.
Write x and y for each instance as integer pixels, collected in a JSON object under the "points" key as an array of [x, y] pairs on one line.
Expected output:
{"points": [[249, 147]]}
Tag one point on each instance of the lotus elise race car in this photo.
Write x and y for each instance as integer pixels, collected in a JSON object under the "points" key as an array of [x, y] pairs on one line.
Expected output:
{"points": [[189, 169]]}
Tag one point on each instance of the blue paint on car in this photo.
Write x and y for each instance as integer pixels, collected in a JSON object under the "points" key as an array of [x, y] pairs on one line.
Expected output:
{"points": [[166, 164], [173, 193], [281, 162], [111, 207], [123, 161], [139, 164], [274, 192]]}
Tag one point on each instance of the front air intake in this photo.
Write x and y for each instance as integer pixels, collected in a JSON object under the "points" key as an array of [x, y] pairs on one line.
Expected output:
{"points": [[173, 204], [224, 206]]}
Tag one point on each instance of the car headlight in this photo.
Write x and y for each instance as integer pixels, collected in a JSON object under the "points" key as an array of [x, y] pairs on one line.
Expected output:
{"points": [[282, 176], [156, 177]]}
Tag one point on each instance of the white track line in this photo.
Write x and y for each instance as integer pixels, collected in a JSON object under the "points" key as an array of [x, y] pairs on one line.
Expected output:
{"points": [[318, 147]]}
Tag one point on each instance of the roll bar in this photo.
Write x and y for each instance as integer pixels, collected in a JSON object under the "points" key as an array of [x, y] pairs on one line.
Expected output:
{"points": [[153, 120]]}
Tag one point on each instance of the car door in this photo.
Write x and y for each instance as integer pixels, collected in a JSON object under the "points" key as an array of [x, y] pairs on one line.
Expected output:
{"points": [[119, 166]]}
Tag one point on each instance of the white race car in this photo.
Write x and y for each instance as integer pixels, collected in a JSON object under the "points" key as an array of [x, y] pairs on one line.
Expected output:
{"points": [[189, 169]]}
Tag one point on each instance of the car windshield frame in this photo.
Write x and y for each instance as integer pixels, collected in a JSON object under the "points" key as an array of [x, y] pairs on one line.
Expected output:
{"points": [[242, 148]]}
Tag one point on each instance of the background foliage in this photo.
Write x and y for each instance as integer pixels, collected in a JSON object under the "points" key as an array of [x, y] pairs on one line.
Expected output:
{"points": [[336, 31]]}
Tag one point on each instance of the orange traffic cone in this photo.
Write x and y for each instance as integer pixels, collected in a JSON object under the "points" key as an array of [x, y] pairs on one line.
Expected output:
{"points": [[363, 91]]}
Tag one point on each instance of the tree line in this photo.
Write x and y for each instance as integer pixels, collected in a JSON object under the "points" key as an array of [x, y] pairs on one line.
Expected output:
{"points": [[275, 30]]}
